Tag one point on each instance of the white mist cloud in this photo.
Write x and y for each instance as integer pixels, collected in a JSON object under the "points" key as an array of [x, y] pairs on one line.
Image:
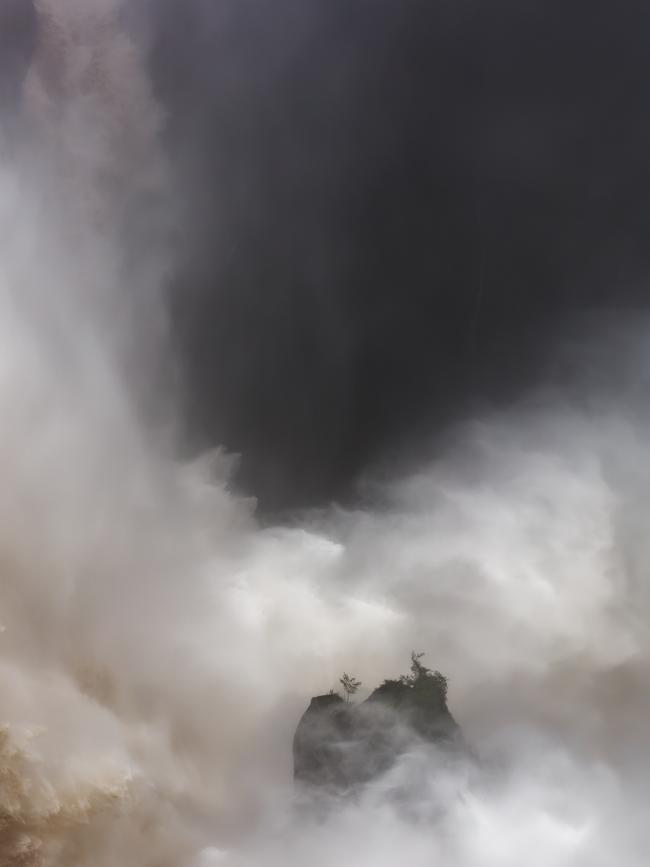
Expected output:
{"points": [[158, 646]]}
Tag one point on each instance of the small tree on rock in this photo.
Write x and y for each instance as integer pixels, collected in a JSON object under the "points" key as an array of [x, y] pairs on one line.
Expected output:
{"points": [[350, 685]]}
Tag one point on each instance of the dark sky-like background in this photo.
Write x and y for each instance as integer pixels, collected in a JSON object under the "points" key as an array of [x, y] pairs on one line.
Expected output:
{"points": [[391, 211]]}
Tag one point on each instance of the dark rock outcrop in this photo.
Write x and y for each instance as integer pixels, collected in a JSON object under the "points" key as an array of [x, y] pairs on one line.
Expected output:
{"points": [[339, 746]]}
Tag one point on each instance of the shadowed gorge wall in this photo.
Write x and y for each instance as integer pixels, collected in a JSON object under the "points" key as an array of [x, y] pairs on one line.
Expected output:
{"points": [[18, 35], [393, 209]]}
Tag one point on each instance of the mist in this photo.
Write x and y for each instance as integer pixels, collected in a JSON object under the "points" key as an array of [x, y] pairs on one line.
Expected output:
{"points": [[160, 639]]}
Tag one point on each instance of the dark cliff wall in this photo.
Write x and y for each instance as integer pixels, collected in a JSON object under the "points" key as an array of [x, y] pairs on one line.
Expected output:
{"points": [[18, 34]]}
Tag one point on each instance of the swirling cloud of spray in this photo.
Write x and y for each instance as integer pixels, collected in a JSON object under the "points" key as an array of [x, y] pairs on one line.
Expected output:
{"points": [[158, 646]]}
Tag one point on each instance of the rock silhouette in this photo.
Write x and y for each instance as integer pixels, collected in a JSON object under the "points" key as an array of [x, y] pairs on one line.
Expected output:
{"points": [[339, 746]]}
